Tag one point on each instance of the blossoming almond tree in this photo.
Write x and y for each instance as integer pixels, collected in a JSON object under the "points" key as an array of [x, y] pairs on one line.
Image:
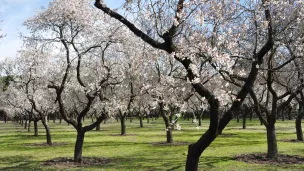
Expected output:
{"points": [[167, 91], [28, 91], [83, 72], [280, 92], [205, 32], [135, 73]]}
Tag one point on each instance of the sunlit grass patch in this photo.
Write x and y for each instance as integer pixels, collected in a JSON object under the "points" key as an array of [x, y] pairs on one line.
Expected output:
{"points": [[138, 152]]}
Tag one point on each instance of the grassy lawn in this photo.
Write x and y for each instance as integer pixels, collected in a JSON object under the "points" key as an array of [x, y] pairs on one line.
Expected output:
{"points": [[140, 151]]}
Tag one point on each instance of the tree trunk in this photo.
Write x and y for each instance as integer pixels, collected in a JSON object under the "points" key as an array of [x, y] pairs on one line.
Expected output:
{"points": [[148, 119], [170, 122], [272, 147], [78, 146], [199, 116], [237, 117], [283, 117], [244, 120], [36, 127], [195, 150], [169, 135], [299, 123], [25, 124], [60, 119], [141, 121], [123, 125], [48, 132], [299, 129], [167, 123], [29, 126], [98, 127], [289, 114]]}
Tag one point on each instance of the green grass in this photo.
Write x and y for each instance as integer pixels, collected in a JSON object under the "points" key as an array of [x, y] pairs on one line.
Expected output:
{"points": [[137, 152]]}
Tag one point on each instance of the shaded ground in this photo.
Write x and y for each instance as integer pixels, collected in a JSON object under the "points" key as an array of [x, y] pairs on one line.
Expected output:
{"points": [[145, 151], [64, 162], [260, 158], [170, 144], [292, 140], [226, 135], [122, 135], [45, 144]]}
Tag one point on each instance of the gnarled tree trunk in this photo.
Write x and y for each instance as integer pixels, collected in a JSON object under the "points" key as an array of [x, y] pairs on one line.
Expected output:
{"points": [[272, 147], [196, 149], [48, 132], [98, 127], [36, 127], [123, 125], [78, 146], [25, 123], [199, 117], [29, 126], [141, 121], [299, 129], [244, 120], [167, 123], [299, 124]]}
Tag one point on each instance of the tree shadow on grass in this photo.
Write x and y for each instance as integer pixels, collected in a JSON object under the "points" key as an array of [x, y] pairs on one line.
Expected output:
{"points": [[210, 161], [19, 163], [169, 164], [111, 143]]}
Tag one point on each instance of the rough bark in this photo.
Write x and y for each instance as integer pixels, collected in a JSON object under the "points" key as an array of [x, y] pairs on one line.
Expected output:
{"points": [[123, 126], [238, 117], [299, 129], [289, 113], [29, 126], [272, 147], [141, 121], [98, 127], [169, 135], [196, 149], [199, 117], [78, 146], [25, 124], [48, 132], [299, 123], [148, 119], [60, 119], [244, 120], [36, 127]]}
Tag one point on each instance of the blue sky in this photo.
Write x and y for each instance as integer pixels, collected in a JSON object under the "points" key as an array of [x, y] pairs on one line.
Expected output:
{"points": [[13, 13]]}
